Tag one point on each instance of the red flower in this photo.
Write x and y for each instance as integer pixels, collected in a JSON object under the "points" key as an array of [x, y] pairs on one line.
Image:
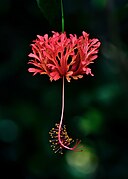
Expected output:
{"points": [[59, 56], [62, 57]]}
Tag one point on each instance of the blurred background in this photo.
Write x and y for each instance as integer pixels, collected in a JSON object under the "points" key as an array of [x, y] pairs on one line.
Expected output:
{"points": [[96, 108]]}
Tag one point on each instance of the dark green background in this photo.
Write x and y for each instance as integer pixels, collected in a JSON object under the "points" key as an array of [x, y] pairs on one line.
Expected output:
{"points": [[96, 108]]}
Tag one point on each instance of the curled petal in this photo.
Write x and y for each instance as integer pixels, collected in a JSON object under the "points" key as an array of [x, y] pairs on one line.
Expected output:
{"points": [[35, 70], [88, 71], [77, 77], [54, 75], [34, 56]]}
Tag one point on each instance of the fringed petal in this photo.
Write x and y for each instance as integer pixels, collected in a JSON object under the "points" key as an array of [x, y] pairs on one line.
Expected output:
{"points": [[59, 56]]}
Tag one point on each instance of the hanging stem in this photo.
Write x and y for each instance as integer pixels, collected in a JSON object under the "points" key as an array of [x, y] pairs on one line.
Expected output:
{"points": [[62, 13], [61, 121], [62, 113]]}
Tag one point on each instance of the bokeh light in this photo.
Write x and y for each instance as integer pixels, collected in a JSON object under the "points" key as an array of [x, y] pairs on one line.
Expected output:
{"points": [[8, 130], [82, 164]]}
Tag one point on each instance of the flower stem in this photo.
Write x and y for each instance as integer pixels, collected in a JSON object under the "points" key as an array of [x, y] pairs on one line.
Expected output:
{"points": [[62, 13], [61, 120], [60, 125], [62, 112]]}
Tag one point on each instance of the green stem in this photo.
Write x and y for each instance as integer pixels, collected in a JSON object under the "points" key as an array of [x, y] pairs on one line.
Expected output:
{"points": [[62, 13]]}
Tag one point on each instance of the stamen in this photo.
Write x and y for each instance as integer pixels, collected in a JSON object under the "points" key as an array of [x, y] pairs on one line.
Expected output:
{"points": [[65, 140]]}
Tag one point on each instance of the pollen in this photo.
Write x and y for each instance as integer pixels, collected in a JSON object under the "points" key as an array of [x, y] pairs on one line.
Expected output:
{"points": [[66, 140]]}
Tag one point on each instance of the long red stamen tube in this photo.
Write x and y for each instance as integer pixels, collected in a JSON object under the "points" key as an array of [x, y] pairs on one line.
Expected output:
{"points": [[60, 125]]}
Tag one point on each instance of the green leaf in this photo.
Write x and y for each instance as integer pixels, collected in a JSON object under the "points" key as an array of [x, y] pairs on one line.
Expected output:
{"points": [[51, 9]]}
